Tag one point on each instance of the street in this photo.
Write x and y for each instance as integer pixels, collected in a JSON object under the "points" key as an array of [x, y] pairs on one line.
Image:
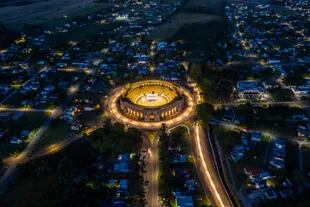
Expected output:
{"points": [[205, 164], [152, 172], [7, 176]]}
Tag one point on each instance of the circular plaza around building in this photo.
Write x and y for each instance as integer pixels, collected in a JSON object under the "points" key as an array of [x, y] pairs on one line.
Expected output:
{"points": [[150, 103]]}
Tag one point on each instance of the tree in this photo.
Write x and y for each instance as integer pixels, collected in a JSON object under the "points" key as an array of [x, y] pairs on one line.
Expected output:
{"points": [[295, 77], [267, 73], [280, 94], [164, 142], [195, 72], [207, 88], [280, 175], [223, 90], [298, 177], [205, 111], [249, 115]]}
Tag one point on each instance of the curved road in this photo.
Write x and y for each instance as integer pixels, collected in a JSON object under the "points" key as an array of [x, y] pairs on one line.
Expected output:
{"points": [[205, 162], [205, 166]]}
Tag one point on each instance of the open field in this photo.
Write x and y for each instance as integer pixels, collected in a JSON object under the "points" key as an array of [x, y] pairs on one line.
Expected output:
{"points": [[194, 12], [5, 37], [171, 28], [41, 11]]}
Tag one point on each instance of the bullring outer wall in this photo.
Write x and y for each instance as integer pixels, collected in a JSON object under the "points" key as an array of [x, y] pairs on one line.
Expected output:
{"points": [[160, 113]]}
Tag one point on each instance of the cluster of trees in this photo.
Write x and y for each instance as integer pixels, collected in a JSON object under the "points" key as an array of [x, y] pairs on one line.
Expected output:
{"points": [[58, 180], [295, 76], [165, 180], [280, 94], [205, 112], [112, 140], [71, 177], [216, 84], [168, 183]]}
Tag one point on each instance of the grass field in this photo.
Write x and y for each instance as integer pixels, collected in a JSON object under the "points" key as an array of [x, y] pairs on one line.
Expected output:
{"points": [[194, 12], [172, 27], [43, 12]]}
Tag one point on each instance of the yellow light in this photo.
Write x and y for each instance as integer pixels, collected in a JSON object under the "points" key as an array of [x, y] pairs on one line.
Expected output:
{"points": [[53, 148], [73, 89], [206, 170]]}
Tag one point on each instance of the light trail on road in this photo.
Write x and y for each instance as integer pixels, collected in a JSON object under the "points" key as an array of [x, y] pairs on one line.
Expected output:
{"points": [[25, 109], [206, 170], [152, 171], [211, 180]]}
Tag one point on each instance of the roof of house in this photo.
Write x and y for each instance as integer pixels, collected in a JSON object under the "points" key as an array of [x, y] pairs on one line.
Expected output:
{"points": [[184, 200]]}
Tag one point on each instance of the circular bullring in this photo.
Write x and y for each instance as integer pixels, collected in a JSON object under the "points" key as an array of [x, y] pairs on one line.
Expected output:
{"points": [[152, 100], [116, 102]]}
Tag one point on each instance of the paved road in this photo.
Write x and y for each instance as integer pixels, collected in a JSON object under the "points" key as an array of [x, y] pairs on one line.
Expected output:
{"points": [[6, 177], [272, 135], [205, 165], [152, 172], [300, 104], [24, 109]]}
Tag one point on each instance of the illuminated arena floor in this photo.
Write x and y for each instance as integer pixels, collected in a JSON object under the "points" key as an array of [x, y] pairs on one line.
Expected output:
{"points": [[152, 95], [152, 99]]}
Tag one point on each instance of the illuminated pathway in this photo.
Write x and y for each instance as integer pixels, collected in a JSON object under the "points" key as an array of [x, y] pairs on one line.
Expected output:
{"points": [[300, 104], [25, 109], [208, 172], [205, 165], [152, 171], [152, 167]]}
